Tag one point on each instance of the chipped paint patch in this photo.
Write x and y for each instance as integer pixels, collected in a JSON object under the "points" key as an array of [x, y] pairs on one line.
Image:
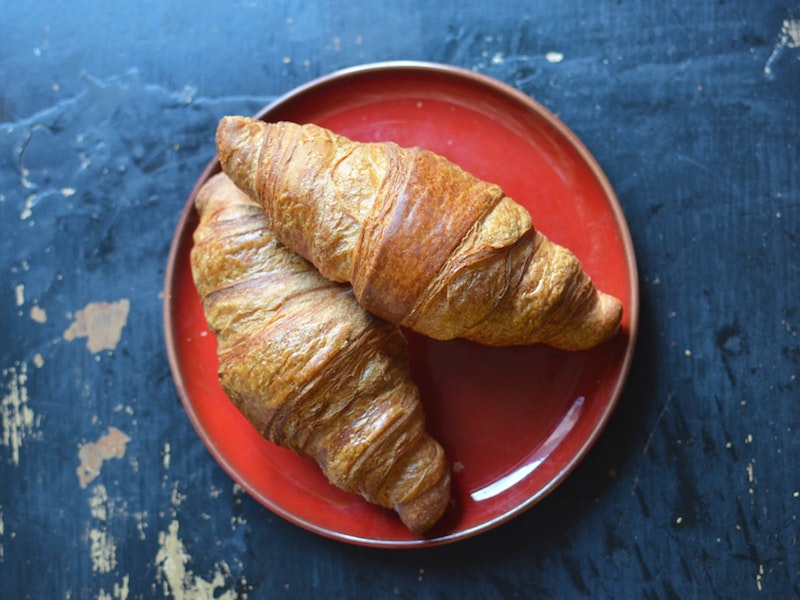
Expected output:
{"points": [[93, 454], [177, 580], [38, 314], [101, 323], [18, 419]]}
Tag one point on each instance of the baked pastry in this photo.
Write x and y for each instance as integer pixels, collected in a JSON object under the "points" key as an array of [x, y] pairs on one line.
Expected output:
{"points": [[308, 366], [425, 244]]}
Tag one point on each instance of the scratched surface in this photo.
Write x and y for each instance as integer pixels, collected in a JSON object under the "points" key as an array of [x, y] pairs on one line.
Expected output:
{"points": [[106, 120]]}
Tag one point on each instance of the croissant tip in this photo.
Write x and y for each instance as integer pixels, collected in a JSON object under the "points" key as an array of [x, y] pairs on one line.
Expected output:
{"points": [[423, 512], [238, 142], [599, 324], [229, 128], [603, 322]]}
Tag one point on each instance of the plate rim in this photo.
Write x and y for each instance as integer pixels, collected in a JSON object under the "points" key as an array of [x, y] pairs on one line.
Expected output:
{"points": [[506, 90]]}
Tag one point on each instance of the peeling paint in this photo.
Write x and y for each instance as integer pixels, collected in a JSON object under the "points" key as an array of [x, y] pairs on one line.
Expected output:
{"points": [[180, 583], [101, 323], [18, 419], [93, 454], [103, 550]]}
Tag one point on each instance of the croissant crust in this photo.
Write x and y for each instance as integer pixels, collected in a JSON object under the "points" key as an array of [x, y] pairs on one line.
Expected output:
{"points": [[310, 368], [425, 244]]}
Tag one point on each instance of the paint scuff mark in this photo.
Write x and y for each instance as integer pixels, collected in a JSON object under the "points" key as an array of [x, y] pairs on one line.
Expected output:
{"points": [[177, 580], [93, 454], [554, 57], [18, 419], [19, 293], [101, 323]]}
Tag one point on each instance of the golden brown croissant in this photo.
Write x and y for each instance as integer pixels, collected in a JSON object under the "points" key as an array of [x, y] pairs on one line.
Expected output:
{"points": [[425, 244], [310, 368]]}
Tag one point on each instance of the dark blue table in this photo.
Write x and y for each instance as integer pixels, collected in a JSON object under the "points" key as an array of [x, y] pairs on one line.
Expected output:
{"points": [[106, 119]]}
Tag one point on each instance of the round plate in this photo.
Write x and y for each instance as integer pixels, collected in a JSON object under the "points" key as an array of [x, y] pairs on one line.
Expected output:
{"points": [[513, 421]]}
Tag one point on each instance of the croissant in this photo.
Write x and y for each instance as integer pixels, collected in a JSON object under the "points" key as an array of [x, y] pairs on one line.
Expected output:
{"points": [[425, 244], [310, 368]]}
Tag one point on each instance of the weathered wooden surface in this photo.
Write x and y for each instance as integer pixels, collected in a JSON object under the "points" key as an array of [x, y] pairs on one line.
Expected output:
{"points": [[107, 114]]}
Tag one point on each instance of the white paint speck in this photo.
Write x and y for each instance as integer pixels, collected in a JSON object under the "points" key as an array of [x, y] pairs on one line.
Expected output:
{"points": [[166, 456], [554, 57], [141, 524], [19, 293], [27, 211]]}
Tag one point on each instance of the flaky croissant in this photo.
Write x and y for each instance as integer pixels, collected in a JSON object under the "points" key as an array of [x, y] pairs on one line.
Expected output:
{"points": [[425, 244], [310, 368]]}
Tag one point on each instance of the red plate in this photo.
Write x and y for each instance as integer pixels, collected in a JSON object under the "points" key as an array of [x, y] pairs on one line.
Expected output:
{"points": [[513, 421]]}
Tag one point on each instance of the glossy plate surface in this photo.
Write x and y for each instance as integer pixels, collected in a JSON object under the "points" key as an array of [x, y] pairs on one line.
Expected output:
{"points": [[513, 421]]}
